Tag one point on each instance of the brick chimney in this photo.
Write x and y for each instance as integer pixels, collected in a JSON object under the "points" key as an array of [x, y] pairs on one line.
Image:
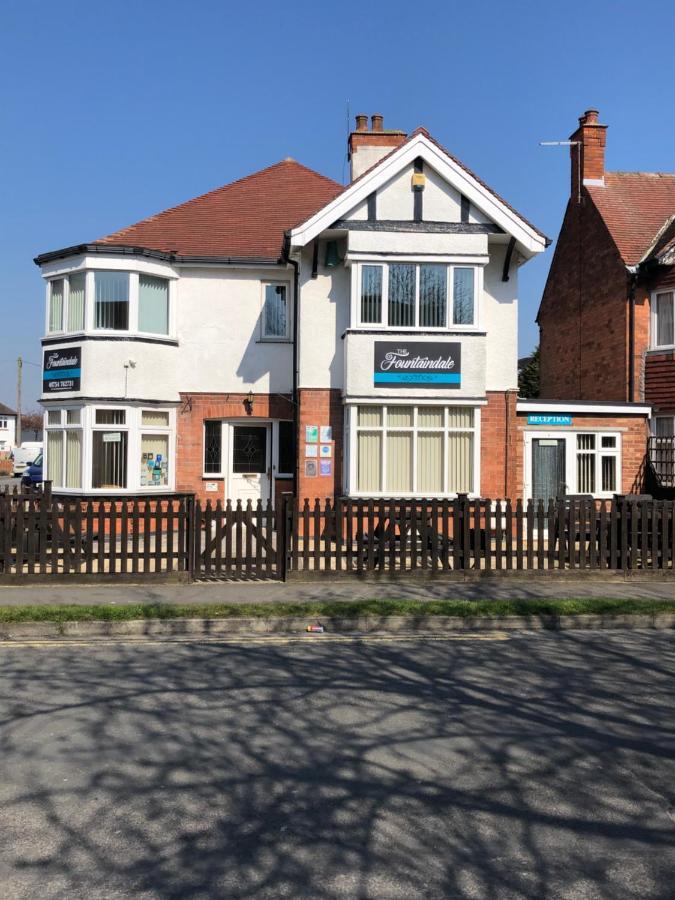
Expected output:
{"points": [[588, 157], [366, 147]]}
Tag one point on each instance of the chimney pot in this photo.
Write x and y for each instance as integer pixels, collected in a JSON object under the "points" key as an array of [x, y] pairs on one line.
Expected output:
{"points": [[361, 122], [378, 122], [590, 117]]}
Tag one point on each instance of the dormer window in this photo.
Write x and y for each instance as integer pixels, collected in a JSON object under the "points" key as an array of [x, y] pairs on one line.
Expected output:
{"points": [[417, 296]]}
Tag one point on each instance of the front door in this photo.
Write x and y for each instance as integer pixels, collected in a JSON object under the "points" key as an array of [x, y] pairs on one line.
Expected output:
{"points": [[250, 474], [548, 468]]}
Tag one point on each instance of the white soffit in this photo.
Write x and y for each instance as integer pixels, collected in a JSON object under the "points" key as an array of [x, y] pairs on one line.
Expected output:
{"points": [[480, 196]]}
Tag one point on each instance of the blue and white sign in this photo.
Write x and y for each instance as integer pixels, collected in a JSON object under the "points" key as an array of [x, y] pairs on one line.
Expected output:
{"points": [[61, 370], [427, 364], [547, 419]]}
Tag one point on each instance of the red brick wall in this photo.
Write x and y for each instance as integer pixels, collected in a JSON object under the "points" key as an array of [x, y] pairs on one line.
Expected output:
{"points": [[660, 382], [499, 471], [634, 433], [192, 412], [584, 341], [321, 406]]}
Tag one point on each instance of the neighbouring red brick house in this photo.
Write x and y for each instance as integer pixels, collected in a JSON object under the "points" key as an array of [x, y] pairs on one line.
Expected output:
{"points": [[606, 316]]}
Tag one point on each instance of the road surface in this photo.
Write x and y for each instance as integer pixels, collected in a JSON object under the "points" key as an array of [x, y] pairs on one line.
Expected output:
{"points": [[530, 765]]}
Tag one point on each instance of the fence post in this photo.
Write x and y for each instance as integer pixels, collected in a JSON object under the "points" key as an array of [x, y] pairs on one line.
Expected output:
{"points": [[283, 528], [190, 534]]}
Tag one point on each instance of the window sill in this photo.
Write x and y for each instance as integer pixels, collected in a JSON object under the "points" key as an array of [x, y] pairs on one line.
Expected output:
{"points": [[274, 341], [416, 332], [666, 348], [213, 478]]}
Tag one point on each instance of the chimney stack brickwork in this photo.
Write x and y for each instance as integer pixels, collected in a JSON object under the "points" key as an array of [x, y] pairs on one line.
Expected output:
{"points": [[367, 147], [588, 157]]}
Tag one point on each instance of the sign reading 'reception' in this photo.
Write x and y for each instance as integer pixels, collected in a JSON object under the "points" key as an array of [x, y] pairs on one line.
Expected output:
{"points": [[399, 364], [61, 370]]}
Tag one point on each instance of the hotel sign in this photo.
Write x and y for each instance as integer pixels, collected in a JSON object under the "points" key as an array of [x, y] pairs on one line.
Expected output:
{"points": [[428, 364], [61, 370]]}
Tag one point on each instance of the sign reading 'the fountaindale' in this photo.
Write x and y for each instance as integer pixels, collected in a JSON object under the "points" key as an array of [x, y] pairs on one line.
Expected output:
{"points": [[434, 364], [61, 370]]}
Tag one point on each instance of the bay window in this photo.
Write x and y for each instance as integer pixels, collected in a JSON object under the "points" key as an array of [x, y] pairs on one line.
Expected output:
{"points": [[417, 295], [420, 450], [109, 300], [663, 320]]}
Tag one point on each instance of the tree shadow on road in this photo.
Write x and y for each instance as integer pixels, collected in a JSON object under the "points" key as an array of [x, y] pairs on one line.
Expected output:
{"points": [[533, 767]]}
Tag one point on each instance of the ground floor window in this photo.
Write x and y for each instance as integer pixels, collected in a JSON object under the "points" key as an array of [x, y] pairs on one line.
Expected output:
{"points": [[105, 448], [420, 450], [560, 464], [64, 447]]}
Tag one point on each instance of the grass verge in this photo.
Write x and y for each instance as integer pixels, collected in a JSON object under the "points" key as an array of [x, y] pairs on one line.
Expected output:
{"points": [[327, 610]]}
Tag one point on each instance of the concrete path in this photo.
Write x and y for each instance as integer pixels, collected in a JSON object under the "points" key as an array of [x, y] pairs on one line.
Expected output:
{"points": [[341, 590]]}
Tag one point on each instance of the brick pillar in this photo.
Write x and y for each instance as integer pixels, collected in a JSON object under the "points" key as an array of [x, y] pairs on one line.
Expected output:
{"points": [[501, 470], [321, 406]]}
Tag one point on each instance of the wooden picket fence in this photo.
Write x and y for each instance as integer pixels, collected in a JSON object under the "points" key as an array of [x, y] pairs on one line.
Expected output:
{"points": [[177, 537], [101, 537], [399, 538]]}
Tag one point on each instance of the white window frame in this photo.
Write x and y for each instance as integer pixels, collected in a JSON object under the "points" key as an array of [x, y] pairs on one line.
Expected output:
{"points": [[449, 325], [570, 438], [275, 338], [63, 426], [353, 429], [653, 343], [134, 429], [89, 326]]}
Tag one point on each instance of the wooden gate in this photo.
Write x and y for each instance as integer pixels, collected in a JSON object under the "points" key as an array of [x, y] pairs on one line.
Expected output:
{"points": [[237, 542]]}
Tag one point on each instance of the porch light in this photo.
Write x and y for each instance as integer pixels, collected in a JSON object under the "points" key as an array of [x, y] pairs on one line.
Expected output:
{"points": [[248, 403]]}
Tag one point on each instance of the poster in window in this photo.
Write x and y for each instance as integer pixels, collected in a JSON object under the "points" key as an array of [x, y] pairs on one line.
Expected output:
{"points": [[310, 468]]}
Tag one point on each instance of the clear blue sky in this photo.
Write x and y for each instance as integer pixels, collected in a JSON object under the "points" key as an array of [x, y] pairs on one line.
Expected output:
{"points": [[111, 113]]}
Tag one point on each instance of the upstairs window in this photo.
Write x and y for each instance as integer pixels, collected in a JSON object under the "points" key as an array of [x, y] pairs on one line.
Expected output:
{"points": [[153, 304], [275, 317], [56, 304], [663, 332], [412, 295], [111, 291], [76, 295]]}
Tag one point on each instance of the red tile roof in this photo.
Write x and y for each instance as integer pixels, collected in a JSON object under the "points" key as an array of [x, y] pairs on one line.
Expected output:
{"points": [[634, 206], [244, 219]]}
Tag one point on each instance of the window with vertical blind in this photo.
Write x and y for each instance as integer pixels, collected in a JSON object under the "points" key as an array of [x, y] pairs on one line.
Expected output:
{"points": [[109, 300], [153, 304], [663, 319], [64, 449], [420, 450], [417, 295], [56, 304]]}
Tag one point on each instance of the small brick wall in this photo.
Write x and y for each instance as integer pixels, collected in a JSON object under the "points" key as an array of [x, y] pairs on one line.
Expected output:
{"points": [[499, 475], [319, 406]]}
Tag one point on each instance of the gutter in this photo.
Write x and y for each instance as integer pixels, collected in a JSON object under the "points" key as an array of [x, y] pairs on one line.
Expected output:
{"points": [[165, 255], [296, 406]]}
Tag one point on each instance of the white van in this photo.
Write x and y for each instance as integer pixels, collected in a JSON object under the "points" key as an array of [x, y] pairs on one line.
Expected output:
{"points": [[23, 456]]}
